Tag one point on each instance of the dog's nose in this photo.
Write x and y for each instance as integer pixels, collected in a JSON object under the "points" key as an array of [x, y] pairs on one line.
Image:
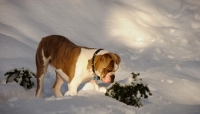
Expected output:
{"points": [[112, 77]]}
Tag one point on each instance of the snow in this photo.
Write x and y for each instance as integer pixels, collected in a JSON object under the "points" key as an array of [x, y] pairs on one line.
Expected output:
{"points": [[157, 38]]}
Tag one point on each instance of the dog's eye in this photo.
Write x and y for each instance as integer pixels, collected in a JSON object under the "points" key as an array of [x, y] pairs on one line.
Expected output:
{"points": [[109, 70]]}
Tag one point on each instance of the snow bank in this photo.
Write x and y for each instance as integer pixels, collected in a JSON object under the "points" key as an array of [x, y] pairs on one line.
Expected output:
{"points": [[11, 92]]}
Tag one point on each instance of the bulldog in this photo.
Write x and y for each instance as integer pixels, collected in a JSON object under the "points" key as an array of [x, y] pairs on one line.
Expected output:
{"points": [[74, 64]]}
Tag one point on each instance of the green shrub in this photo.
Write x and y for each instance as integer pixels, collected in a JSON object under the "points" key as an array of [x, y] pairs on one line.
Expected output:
{"points": [[21, 76], [129, 94]]}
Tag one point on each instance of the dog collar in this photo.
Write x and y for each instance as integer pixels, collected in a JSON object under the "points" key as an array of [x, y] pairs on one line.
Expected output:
{"points": [[96, 77]]}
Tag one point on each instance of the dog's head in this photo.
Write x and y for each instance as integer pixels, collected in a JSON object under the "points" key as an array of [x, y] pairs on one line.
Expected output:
{"points": [[106, 65]]}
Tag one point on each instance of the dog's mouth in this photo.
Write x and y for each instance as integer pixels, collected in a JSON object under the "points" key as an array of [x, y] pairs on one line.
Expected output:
{"points": [[109, 78]]}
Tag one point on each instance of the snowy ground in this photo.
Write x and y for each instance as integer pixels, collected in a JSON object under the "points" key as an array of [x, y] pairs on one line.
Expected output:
{"points": [[160, 39]]}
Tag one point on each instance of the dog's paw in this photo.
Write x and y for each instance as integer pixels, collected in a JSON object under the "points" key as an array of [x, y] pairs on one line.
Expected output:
{"points": [[69, 93]]}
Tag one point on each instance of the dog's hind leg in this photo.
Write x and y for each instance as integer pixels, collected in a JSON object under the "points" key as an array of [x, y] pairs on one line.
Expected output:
{"points": [[42, 65], [57, 85]]}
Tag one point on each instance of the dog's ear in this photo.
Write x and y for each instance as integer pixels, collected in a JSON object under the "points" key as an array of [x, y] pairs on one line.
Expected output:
{"points": [[100, 61], [115, 57], [105, 60]]}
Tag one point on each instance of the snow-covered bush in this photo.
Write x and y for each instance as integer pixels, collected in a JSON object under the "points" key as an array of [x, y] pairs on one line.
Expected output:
{"points": [[21, 76], [129, 94]]}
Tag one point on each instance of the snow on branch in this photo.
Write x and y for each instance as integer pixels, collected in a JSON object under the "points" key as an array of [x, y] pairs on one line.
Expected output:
{"points": [[21, 76]]}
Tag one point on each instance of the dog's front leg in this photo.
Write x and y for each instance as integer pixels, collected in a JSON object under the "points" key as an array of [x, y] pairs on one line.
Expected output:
{"points": [[72, 87], [95, 84]]}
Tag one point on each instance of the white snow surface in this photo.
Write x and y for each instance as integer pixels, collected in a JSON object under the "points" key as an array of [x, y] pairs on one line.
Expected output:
{"points": [[160, 39]]}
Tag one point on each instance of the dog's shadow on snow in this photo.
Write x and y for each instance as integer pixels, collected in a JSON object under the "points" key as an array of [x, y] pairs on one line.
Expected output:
{"points": [[47, 91]]}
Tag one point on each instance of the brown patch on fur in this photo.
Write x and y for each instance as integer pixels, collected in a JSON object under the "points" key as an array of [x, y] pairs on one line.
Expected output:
{"points": [[63, 54]]}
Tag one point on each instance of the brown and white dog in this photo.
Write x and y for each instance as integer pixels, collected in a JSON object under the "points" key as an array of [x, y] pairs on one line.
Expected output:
{"points": [[73, 63]]}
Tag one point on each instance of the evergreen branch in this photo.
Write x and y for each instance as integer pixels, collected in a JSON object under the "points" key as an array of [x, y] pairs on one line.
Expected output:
{"points": [[129, 94], [23, 77]]}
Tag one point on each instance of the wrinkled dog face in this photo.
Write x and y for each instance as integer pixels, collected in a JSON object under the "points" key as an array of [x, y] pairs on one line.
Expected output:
{"points": [[108, 73], [107, 64]]}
